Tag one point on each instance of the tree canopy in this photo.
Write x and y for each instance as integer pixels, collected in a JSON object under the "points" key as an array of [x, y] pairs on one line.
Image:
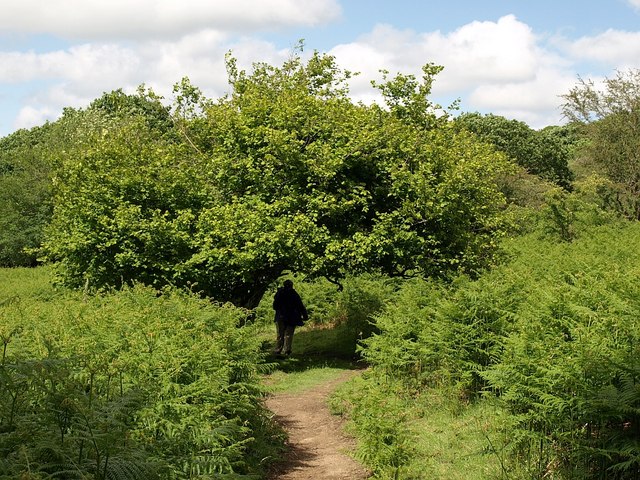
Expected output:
{"points": [[284, 173], [25, 193], [541, 152]]}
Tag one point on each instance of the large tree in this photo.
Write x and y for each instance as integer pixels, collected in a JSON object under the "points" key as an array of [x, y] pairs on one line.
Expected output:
{"points": [[610, 116], [25, 195], [285, 173]]}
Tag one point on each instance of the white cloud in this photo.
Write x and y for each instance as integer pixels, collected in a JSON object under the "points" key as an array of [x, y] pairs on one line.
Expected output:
{"points": [[29, 117], [612, 48], [86, 63], [500, 67], [493, 66], [67, 78], [501, 51], [75, 76], [99, 19], [536, 101], [634, 3]]}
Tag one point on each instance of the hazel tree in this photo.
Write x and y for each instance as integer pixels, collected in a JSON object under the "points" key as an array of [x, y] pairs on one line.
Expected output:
{"points": [[284, 173]]}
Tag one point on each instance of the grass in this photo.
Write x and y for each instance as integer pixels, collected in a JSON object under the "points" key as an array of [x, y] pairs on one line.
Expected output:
{"points": [[26, 283], [336, 342], [299, 381], [443, 436], [320, 354], [457, 441]]}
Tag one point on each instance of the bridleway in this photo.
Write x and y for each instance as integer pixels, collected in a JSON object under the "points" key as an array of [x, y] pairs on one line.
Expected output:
{"points": [[318, 448]]}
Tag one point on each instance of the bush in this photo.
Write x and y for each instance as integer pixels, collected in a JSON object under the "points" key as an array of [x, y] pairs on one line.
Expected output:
{"points": [[438, 334], [362, 298], [130, 384], [25, 194], [542, 152], [552, 334], [379, 420], [568, 371]]}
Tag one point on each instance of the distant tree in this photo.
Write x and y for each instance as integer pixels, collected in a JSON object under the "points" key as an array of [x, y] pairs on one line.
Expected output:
{"points": [[29, 160], [285, 173], [145, 104], [25, 194], [611, 120], [544, 153]]}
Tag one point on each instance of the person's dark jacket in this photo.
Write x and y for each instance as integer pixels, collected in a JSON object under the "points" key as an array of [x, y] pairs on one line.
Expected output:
{"points": [[289, 307]]}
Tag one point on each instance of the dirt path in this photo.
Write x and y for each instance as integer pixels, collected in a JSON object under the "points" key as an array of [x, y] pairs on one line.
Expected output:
{"points": [[317, 444]]}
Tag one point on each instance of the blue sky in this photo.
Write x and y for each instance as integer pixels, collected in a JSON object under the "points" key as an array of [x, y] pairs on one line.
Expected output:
{"points": [[509, 57]]}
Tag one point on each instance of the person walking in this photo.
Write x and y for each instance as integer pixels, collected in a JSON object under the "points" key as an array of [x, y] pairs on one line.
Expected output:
{"points": [[290, 313]]}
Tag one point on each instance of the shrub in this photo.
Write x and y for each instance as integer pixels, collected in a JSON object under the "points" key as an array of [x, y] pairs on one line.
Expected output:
{"points": [[352, 306], [569, 369], [438, 334], [379, 420], [552, 334], [132, 384]]}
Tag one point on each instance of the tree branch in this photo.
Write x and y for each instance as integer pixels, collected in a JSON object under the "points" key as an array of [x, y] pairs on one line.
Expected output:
{"points": [[335, 282]]}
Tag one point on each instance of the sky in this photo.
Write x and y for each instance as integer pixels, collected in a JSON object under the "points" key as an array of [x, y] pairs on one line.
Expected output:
{"points": [[507, 57]]}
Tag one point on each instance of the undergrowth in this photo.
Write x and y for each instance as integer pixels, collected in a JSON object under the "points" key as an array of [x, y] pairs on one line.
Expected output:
{"points": [[548, 341], [128, 385]]}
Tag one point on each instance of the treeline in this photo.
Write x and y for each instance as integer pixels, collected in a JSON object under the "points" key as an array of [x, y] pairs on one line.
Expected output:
{"points": [[285, 173]]}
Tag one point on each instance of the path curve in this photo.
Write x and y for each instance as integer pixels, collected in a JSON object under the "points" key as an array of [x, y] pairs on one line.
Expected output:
{"points": [[317, 445]]}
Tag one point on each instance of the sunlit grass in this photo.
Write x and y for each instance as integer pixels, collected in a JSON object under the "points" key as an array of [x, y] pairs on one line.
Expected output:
{"points": [[444, 437], [295, 382], [454, 441], [26, 282], [320, 354]]}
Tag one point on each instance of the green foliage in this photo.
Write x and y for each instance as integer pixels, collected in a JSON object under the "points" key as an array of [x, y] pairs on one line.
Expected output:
{"points": [[25, 194], [361, 299], [557, 214], [611, 119], [434, 433], [408, 99], [525, 191], [566, 216], [144, 104], [285, 173], [31, 161], [129, 385], [568, 368], [379, 420], [552, 334], [436, 335], [145, 236], [545, 152]]}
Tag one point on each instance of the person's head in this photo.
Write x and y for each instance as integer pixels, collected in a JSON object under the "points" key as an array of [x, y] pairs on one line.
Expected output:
{"points": [[288, 284]]}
